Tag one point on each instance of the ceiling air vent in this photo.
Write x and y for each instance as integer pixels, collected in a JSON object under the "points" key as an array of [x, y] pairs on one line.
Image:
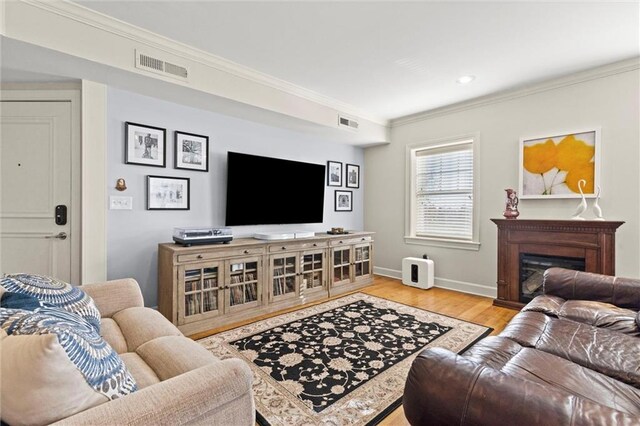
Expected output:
{"points": [[161, 66], [348, 123]]}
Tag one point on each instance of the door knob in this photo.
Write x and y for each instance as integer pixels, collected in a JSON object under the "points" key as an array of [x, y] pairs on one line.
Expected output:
{"points": [[60, 236]]}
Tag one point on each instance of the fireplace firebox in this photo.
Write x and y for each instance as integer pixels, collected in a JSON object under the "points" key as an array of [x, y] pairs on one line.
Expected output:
{"points": [[582, 245], [532, 267]]}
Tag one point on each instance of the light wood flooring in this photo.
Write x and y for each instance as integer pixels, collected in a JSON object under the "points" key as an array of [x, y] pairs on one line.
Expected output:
{"points": [[467, 307]]}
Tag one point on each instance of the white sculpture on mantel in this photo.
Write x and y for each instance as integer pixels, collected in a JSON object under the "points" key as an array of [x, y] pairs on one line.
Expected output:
{"points": [[582, 207], [596, 207]]}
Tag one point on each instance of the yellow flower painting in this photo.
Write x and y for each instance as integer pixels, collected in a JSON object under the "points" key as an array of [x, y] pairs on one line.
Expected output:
{"points": [[551, 167]]}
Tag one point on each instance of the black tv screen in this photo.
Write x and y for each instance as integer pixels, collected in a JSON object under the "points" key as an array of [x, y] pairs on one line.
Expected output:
{"points": [[272, 191]]}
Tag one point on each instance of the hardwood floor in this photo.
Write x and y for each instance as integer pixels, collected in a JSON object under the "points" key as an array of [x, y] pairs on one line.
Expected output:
{"points": [[468, 307]]}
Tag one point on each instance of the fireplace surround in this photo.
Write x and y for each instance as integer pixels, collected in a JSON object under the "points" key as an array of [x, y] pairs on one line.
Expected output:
{"points": [[581, 245]]}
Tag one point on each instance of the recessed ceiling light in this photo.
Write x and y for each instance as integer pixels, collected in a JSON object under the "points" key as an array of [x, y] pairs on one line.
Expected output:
{"points": [[466, 79]]}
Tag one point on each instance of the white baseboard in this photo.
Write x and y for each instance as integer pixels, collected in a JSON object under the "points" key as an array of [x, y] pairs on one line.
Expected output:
{"points": [[386, 272], [461, 286], [465, 287]]}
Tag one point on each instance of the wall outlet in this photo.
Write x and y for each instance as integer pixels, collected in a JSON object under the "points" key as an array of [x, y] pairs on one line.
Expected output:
{"points": [[120, 203]]}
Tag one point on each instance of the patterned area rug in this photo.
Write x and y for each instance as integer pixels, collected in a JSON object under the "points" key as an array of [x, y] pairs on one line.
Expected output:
{"points": [[342, 362]]}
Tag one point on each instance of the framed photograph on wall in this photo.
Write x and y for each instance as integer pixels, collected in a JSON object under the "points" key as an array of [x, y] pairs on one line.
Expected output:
{"points": [[334, 173], [168, 193], [560, 165], [145, 145], [191, 151], [353, 176], [344, 201]]}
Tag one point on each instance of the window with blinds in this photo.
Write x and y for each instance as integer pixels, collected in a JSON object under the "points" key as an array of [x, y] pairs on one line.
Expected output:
{"points": [[444, 191]]}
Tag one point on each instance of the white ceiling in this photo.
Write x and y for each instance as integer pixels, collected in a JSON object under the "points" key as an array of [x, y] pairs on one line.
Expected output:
{"points": [[392, 59]]}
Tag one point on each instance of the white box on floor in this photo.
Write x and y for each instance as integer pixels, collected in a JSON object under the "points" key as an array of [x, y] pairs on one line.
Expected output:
{"points": [[417, 272]]}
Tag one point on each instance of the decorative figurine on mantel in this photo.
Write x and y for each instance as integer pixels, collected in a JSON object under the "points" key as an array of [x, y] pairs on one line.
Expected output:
{"points": [[582, 207], [596, 207], [511, 208]]}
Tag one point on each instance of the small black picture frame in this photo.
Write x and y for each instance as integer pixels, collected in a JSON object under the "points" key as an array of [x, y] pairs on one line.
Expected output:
{"points": [[168, 193], [191, 151], [334, 173], [352, 175], [145, 145], [343, 201]]}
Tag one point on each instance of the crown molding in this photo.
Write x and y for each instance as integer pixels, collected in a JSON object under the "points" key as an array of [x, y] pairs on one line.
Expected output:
{"points": [[506, 95], [136, 34]]}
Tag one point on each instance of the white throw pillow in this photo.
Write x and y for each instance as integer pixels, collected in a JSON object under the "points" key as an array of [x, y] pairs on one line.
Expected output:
{"points": [[54, 365]]}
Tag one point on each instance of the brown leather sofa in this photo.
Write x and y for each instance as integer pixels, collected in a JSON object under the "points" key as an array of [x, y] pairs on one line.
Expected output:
{"points": [[570, 357]]}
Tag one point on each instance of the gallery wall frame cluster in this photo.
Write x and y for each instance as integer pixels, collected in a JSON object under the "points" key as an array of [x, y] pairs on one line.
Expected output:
{"points": [[146, 145], [343, 200]]}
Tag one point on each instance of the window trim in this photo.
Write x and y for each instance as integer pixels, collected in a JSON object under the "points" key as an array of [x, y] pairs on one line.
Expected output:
{"points": [[410, 236]]}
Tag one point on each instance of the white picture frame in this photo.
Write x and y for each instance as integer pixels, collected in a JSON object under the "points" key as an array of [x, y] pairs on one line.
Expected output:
{"points": [[551, 165]]}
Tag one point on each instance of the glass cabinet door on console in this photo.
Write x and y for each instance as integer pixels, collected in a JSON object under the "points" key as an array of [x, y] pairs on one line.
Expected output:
{"points": [[362, 262], [283, 276], [341, 265], [312, 273], [200, 292], [243, 278]]}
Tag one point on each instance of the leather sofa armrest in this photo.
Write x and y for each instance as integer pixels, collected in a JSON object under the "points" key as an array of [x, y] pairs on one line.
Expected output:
{"points": [[445, 388], [113, 296], [215, 394], [576, 285]]}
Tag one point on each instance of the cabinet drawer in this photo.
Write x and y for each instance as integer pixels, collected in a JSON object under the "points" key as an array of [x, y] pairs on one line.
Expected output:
{"points": [[347, 241], [195, 257], [275, 248]]}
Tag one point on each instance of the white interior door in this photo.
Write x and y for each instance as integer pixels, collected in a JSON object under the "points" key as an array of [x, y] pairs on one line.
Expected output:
{"points": [[35, 175]]}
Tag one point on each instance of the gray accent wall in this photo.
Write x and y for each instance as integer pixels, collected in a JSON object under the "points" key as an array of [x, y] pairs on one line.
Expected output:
{"points": [[133, 235], [609, 102]]}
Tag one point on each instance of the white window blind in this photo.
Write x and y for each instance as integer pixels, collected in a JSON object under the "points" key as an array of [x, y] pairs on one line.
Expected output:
{"points": [[444, 192]]}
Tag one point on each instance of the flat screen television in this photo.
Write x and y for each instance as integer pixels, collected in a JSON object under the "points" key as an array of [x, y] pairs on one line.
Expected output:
{"points": [[273, 191]]}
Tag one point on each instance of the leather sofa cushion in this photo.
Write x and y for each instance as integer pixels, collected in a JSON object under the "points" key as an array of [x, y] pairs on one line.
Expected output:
{"points": [[608, 352], [445, 388], [493, 351], [576, 285], [599, 314], [603, 315], [171, 356], [140, 325], [546, 304], [526, 328], [139, 369], [507, 356]]}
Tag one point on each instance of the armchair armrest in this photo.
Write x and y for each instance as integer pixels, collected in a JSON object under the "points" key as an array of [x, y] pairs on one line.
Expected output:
{"points": [[216, 394], [114, 296], [445, 388], [576, 285]]}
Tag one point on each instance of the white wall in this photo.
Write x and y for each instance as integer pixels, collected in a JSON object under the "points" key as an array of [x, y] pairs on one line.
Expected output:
{"points": [[133, 236], [611, 102]]}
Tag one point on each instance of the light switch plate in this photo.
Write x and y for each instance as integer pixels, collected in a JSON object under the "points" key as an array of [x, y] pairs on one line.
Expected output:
{"points": [[120, 203]]}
